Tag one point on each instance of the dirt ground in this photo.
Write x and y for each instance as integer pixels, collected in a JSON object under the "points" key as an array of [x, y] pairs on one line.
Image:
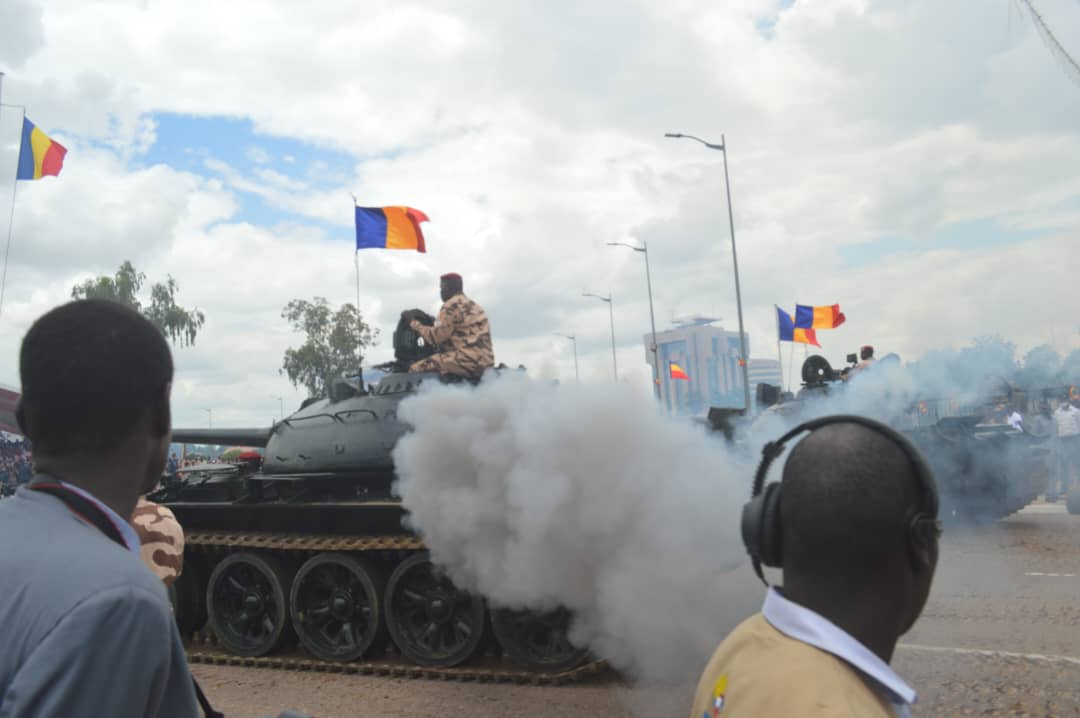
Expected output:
{"points": [[1000, 636]]}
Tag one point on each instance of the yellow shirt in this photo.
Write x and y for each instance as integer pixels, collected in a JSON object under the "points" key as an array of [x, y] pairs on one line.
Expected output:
{"points": [[759, 672]]}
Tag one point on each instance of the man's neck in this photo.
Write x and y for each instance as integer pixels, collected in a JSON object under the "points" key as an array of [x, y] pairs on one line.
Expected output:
{"points": [[862, 616], [97, 477]]}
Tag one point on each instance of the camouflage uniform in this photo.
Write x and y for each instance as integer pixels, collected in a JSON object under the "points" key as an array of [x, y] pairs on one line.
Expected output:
{"points": [[162, 539], [463, 338]]}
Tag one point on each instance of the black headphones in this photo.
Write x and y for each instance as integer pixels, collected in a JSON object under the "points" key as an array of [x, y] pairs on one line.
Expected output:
{"points": [[762, 528]]}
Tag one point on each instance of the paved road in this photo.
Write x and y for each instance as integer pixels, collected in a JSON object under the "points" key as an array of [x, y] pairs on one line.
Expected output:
{"points": [[1000, 637]]}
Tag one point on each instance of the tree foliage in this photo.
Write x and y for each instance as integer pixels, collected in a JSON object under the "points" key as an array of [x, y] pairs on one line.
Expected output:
{"points": [[991, 358], [175, 322], [335, 341]]}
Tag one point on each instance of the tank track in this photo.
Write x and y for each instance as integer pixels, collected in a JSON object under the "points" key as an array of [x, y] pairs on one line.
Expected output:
{"points": [[302, 542], [201, 650], [202, 647]]}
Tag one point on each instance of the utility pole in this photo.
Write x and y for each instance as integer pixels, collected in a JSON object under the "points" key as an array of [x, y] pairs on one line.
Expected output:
{"points": [[573, 340], [611, 312], [743, 358], [644, 249]]}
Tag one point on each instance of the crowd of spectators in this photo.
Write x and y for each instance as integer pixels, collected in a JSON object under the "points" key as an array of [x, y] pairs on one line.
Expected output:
{"points": [[15, 465]]}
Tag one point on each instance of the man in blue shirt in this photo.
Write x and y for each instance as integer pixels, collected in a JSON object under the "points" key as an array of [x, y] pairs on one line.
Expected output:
{"points": [[86, 627]]}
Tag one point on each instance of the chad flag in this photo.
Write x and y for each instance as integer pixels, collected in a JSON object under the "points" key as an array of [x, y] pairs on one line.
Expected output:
{"points": [[677, 372], [389, 228], [823, 317], [789, 332], [39, 154]]}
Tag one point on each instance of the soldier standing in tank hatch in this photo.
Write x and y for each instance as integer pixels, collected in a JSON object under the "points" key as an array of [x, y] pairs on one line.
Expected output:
{"points": [[461, 334]]}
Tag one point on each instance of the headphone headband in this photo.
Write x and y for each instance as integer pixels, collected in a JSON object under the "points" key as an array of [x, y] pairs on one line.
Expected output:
{"points": [[761, 525]]}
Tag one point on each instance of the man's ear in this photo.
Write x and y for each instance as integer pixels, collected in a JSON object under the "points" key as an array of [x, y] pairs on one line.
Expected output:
{"points": [[20, 416], [922, 551], [162, 413]]}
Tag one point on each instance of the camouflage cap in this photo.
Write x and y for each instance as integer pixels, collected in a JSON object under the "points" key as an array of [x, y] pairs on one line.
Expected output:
{"points": [[161, 538]]}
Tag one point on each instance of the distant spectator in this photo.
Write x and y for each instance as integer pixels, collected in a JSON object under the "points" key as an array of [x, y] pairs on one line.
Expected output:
{"points": [[1067, 426]]}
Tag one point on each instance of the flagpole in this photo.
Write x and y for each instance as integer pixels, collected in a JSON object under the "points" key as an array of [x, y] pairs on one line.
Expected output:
{"points": [[791, 362], [11, 222], [779, 352], [359, 320]]}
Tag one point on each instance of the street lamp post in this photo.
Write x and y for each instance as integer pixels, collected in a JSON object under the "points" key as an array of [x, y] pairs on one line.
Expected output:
{"points": [[281, 405], [644, 249], [743, 359], [209, 418], [611, 312], [573, 340]]}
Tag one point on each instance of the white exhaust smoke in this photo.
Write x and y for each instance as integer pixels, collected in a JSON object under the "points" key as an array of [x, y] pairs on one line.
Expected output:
{"points": [[537, 495]]}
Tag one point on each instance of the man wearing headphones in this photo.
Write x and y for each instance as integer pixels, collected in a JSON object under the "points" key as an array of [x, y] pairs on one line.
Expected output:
{"points": [[853, 525]]}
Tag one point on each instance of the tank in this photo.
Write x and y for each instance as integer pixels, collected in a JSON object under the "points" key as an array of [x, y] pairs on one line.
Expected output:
{"points": [[309, 547], [985, 469]]}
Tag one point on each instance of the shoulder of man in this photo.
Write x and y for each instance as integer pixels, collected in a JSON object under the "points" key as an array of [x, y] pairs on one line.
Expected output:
{"points": [[124, 632], [757, 670]]}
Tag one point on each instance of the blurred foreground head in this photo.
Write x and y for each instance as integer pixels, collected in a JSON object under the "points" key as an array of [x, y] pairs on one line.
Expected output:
{"points": [[96, 377], [851, 495]]}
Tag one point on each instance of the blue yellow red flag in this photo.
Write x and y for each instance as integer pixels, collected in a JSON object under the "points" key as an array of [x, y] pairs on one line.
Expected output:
{"points": [[390, 228], [39, 154], [820, 317], [677, 372], [791, 333]]}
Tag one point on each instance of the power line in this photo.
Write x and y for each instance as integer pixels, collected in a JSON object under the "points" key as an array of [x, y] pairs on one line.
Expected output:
{"points": [[1068, 64]]}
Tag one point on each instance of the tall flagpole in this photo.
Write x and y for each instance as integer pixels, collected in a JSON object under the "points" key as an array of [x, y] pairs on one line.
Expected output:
{"points": [[359, 320], [791, 361], [779, 352], [11, 213]]}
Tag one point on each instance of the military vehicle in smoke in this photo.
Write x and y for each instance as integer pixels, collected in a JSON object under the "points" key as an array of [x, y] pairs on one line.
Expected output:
{"points": [[985, 469], [312, 545]]}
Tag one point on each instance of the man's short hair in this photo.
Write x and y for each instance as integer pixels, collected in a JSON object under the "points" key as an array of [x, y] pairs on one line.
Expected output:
{"points": [[866, 352], [90, 370], [849, 496]]}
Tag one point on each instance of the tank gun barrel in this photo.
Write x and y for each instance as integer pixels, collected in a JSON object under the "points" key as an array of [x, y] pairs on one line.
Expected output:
{"points": [[232, 437]]}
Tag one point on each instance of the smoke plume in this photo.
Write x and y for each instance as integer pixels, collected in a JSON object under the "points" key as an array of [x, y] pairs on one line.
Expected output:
{"points": [[537, 496]]}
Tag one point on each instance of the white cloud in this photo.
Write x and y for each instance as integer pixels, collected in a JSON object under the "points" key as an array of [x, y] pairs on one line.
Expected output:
{"points": [[532, 135], [258, 155]]}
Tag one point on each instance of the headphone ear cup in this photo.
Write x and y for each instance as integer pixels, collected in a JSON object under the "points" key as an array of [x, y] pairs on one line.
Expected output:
{"points": [[751, 525], [771, 530]]}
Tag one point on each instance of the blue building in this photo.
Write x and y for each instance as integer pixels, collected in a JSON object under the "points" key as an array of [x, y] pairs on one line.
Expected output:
{"points": [[710, 357]]}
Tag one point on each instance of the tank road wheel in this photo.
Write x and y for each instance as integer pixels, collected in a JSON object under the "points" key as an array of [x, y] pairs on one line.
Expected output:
{"points": [[248, 605], [431, 621], [336, 607], [537, 641]]}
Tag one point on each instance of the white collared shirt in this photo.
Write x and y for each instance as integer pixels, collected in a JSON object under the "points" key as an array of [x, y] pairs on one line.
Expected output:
{"points": [[127, 531], [804, 625]]}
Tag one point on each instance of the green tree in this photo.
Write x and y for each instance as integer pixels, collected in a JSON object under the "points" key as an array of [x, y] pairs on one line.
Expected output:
{"points": [[335, 341], [175, 322]]}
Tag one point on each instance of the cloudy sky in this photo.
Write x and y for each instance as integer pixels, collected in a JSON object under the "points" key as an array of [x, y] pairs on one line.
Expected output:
{"points": [[914, 161]]}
